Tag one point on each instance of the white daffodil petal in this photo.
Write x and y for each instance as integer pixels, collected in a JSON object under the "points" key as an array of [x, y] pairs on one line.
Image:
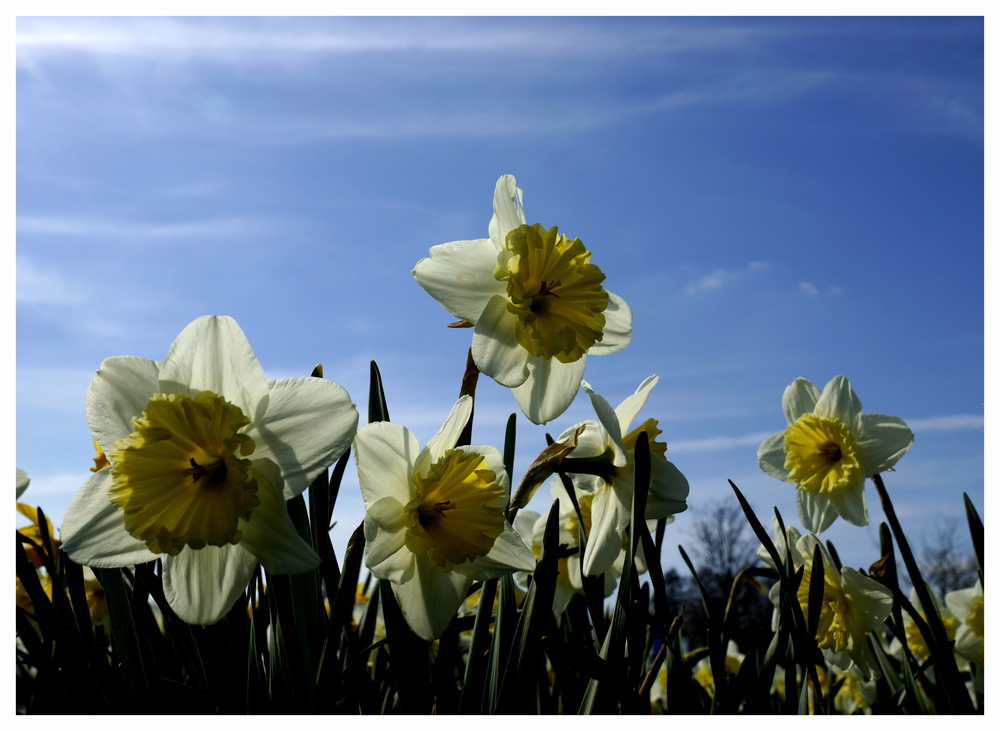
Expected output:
{"points": [[309, 423], [508, 212], [605, 542], [117, 394], [459, 275], [591, 442], [269, 534], [851, 505], [212, 354], [383, 455], [550, 388], [385, 554], [815, 511], [202, 586], [93, 529], [629, 408], [771, 456], [799, 398], [508, 552], [431, 598], [885, 439], [668, 489], [617, 331], [22, 481], [524, 524], [447, 435], [838, 401], [495, 349], [606, 415]]}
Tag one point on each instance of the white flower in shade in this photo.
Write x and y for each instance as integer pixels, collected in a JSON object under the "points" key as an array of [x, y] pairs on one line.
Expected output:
{"points": [[434, 517], [914, 637], [603, 464], [536, 301], [966, 606], [853, 606], [828, 450], [22, 481], [204, 451]]}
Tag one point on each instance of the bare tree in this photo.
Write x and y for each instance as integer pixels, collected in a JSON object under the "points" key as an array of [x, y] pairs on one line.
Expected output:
{"points": [[948, 563]]}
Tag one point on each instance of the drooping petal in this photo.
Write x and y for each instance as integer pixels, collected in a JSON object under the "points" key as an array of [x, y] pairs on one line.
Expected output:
{"points": [[447, 435], [884, 439], [459, 275], [508, 553], [118, 393], [850, 505], [212, 354], [524, 523], [269, 534], [308, 425], [771, 456], [668, 489], [384, 454], [838, 401], [617, 327], [799, 398], [430, 598], [815, 511], [202, 586], [508, 211], [610, 515], [629, 408], [550, 388], [609, 420], [93, 529], [591, 442], [22, 481]]}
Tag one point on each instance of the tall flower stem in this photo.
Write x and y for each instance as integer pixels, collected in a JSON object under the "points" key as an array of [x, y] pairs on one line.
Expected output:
{"points": [[944, 659], [469, 380]]}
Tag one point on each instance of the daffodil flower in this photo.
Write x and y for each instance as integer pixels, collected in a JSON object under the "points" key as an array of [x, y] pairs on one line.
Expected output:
{"points": [[702, 670], [966, 606], [537, 303], [829, 448], [855, 694], [434, 517], [203, 451], [853, 605], [914, 637], [603, 464]]}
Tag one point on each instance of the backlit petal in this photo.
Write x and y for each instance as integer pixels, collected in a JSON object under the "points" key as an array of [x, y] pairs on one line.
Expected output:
{"points": [[93, 529], [431, 598], [884, 439], [459, 275], [629, 408], [799, 398], [202, 586], [495, 349], [617, 327], [383, 454], [838, 401], [118, 393], [212, 354], [308, 425], [508, 212], [815, 511], [771, 456], [550, 388]]}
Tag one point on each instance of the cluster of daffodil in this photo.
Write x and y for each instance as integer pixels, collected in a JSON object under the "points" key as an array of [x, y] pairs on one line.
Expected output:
{"points": [[211, 479]]}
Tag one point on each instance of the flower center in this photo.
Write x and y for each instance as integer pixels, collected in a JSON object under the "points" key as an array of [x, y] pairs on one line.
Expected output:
{"points": [[177, 477], [651, 427], [831, 632], [820, 454], [456, 516], [916, 641], [555, 292]]}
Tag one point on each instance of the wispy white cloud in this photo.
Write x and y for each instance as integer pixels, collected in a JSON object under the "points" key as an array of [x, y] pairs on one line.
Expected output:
{"points": [[723, 277], [36, 285], [717, 444], [812, 291], [947, 423], [109, 228]]}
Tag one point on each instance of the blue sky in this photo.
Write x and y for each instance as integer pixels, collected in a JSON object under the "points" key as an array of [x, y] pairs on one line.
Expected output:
{"points": [[773, 197]]}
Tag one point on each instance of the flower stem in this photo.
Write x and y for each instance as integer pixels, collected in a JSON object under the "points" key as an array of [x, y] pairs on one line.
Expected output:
{"points": [[469, 380]]}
